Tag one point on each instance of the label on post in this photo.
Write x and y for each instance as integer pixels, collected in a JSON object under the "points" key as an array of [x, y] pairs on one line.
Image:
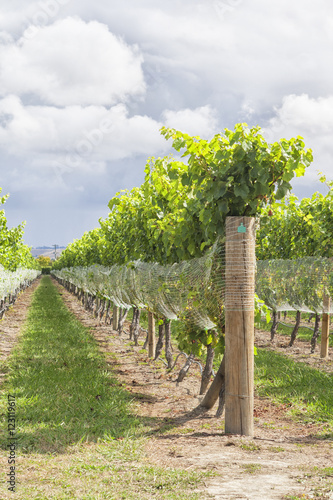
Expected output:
{"points": [[241, 228]]}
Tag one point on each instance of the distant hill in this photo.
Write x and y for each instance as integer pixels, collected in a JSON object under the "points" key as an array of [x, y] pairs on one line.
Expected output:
{"points": [[46, 251]]}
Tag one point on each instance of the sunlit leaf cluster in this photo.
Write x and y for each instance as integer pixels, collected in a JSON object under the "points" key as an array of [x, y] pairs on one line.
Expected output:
{"points": [[180, 209], [293, 228], [13, 251]]}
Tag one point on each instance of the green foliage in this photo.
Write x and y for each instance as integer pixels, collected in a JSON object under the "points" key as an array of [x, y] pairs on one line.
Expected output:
{"points": [[13, 252], [82, 252], [125, 232], [43, 261], [236, 173], [180, 209], [261, 310], [294, 228], [192, 340]]}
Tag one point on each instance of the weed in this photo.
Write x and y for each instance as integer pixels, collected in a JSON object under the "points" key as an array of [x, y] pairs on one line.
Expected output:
{"points": [[276, 449], [251, 468], [301, 496], [251, 446], [325, 472], [268, 425]]}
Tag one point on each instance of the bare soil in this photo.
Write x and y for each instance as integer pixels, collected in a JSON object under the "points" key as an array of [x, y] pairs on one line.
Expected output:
{"points": [[284, 458], [12, 321]]}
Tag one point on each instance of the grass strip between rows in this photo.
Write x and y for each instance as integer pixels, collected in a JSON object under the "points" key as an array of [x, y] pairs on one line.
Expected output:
{"points": [[72, 411], [64, 391], [308, 391]]}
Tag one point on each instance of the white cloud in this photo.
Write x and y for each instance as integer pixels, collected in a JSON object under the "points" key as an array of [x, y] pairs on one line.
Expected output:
{"points": [[75, 135], [72, 62], [312, 119], [200, 121], [92, 133], [194, 65], [255, 51]]}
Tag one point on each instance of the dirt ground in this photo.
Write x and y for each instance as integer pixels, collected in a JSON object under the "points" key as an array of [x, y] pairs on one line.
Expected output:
{"points": [[12, 321], [282, 460]]}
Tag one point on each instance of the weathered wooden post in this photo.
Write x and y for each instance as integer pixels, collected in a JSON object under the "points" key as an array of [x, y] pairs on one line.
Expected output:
{"points": [[239, 325], [325, 328], [115, 320], [151, 335]]}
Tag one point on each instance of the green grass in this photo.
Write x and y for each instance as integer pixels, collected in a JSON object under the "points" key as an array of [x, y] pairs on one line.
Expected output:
{"points": [[308, 391], [251, 468], [78, 435], [64, 391], [324, 472], [249, 446]]}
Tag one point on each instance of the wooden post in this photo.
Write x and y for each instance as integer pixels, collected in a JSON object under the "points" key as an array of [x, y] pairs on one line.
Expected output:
{"points": [[115, 320], [239, 325], [151, 335], [325, 328]]}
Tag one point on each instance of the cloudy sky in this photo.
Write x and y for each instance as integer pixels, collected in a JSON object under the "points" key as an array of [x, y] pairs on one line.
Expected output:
{"points": [[85, 87]]}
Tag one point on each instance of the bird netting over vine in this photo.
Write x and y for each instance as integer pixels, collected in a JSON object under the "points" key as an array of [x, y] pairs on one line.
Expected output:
{"points": [[191, 290], [11, 281], [296, 285], [195, 290]]}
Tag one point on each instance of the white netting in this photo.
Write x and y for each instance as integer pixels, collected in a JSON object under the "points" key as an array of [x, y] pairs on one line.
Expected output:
{"points": [[11, 281], [191, 289], [195, 290], [296, 285]]}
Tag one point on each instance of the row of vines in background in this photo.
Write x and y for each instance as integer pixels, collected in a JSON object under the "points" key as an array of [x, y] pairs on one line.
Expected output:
{"points": [[304, 284], [298, 229], [12, 283], [104, 310], [193, 291], [180, 209], [17, 265], [293, 228]]}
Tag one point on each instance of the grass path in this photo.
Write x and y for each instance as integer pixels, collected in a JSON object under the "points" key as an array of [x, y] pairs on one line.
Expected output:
{"points": [[64, 392], [78, 435], [307, 391]]}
